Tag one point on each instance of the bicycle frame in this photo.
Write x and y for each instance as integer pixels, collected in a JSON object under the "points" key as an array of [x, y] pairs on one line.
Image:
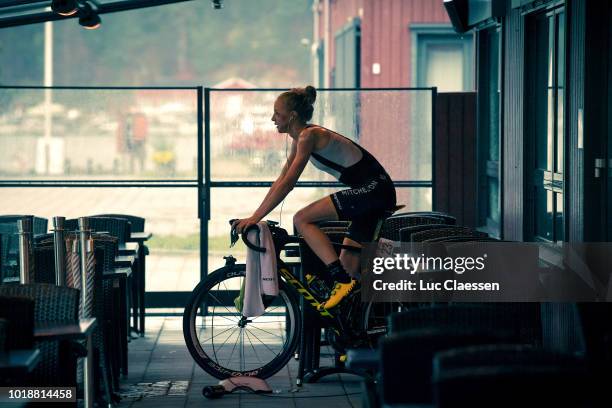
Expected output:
{"points": [[281, 238], [303, 291]]}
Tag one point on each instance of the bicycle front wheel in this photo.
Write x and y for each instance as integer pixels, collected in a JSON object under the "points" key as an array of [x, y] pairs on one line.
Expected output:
{"points": [[226, 344]]}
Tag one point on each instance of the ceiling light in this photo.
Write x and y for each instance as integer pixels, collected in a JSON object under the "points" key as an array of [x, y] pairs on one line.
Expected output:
{"points": [[64, 7], [88, 16]]}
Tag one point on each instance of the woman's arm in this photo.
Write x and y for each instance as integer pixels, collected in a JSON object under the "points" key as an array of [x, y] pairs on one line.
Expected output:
{"points": [[284, 170], [285, 183]]}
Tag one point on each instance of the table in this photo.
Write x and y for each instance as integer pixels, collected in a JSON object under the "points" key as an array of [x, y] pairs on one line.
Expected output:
{"points": [[76, 330], [18, 362]]}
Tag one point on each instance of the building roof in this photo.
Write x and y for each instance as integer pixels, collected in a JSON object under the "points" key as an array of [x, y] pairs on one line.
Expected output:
{"points": [[235, 83]]}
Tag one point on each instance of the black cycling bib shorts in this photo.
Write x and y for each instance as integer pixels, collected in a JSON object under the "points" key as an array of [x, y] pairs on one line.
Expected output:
{"points": [[370, 195]]}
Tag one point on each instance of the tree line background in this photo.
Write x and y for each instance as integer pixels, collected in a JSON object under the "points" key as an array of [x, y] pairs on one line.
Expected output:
{"points": [[179, 44]]}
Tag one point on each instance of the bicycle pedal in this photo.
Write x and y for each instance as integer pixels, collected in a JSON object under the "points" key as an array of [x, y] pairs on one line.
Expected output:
{"points": [[318, 288]]}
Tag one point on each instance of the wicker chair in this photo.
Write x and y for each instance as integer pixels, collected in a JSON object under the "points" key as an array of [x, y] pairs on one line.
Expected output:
{"points": [[18, 311], [9, 251], [447, 219], [462, 238], [392, 225], [417, 334], [117, 227], [3, 324], [100, 305], [106, 247], [423, 232], [39, 224], [51, 304], [520, 319], [3, 254], [44, 264], [16, 331], [509, 376], [9, 254], [137, 223]]}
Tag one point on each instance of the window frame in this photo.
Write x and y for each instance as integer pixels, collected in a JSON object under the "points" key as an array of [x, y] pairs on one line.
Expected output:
{"points": [[425, 34], [484, 166], [553, 181], [355, 26]]}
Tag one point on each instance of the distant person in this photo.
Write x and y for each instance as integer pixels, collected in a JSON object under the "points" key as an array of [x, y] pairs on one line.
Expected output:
{"points": [[132, 132], [139, 129], [370, 194], [122, 142]]}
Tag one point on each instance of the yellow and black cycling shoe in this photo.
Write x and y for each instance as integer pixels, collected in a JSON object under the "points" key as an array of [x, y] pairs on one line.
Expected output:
{"points": [[340, 291]]}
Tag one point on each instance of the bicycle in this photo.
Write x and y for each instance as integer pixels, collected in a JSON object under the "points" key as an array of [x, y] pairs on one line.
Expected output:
{"points": [[271, 339]]}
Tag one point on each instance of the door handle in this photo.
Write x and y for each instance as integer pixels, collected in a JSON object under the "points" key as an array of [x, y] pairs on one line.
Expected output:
{"points": [[599, 165]]}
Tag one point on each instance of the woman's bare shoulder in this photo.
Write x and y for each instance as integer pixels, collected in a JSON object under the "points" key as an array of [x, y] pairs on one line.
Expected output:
{"points": [[320, 135]]}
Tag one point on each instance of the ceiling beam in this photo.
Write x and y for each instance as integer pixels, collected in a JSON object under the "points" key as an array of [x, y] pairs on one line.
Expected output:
{"points": [[17, 13]]}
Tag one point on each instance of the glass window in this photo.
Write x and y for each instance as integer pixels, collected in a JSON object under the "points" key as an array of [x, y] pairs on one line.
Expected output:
{"points": [[98, 134], [444, 67], [170, 213], [442, 59], [347, 53], [546, 109]]}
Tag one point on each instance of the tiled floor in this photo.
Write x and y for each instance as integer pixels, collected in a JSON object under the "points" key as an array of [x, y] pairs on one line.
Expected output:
{"points": [[161, 364]]}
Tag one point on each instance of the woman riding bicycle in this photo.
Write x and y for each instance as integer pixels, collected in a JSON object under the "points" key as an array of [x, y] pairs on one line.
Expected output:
{"points": [[371, 192]]}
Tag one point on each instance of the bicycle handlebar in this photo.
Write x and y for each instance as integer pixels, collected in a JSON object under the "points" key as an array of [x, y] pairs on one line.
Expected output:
{"points": [[244, 237], [282, 238]]}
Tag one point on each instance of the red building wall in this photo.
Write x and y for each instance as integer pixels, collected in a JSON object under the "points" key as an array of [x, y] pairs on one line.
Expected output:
{"points": [[385, 34], [385, 39]]}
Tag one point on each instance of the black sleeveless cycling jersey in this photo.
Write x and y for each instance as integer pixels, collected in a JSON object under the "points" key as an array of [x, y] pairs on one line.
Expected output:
{"points": [[371, 193], [340, 158]]}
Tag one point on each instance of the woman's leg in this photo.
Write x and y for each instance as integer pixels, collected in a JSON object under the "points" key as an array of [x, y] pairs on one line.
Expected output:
{"points": [[350, 259], [324, 210], [305, 219]]}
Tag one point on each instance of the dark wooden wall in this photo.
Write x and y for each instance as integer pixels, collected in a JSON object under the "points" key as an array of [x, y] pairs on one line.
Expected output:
{"points": [[596, 118], [455, 156]]}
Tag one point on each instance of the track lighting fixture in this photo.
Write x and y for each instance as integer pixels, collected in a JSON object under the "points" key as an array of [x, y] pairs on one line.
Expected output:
{"points": [[88, 16], [64, 7]]}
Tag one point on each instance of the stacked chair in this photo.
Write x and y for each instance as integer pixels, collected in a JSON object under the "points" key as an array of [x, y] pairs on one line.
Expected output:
{"points": [[417, 334], [9, 244], [117, 276], [451, 355], [16, 318], [393, 226], [140, 250], [132, 255], [50, 303], [76, 272]]}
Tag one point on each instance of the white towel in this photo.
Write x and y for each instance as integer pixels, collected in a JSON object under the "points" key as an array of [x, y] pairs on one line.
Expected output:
{"points": [[261, 277]]}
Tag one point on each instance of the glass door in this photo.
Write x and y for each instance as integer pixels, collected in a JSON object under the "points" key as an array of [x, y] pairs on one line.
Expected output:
{"points": [[545, 124]]}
